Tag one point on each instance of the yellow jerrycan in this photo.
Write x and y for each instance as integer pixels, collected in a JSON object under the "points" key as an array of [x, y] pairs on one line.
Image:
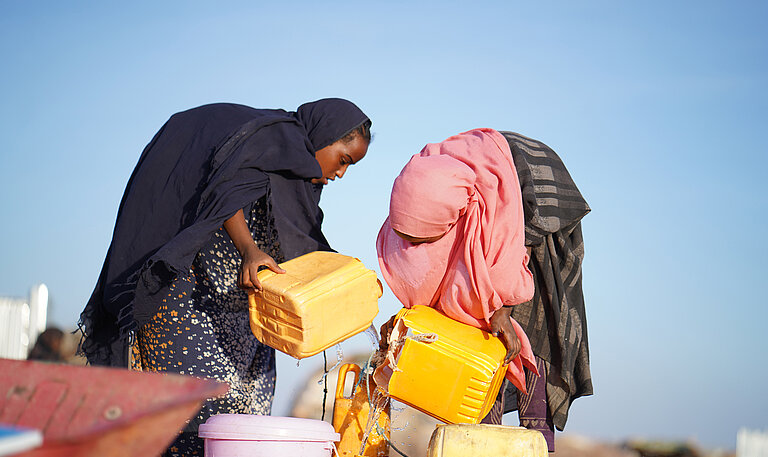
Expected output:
{"points": [[351, 417], [482, 440], [320, 300], [442, 367]]}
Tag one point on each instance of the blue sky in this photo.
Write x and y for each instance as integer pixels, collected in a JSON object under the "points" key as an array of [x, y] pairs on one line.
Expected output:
{"points": [[657, 108]]}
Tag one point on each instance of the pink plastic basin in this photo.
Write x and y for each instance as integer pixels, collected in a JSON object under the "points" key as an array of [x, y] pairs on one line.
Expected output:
{"points": [[245, 435]]}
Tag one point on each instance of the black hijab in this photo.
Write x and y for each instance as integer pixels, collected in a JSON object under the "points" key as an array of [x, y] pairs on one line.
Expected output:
{"points": [[203, 166], [555, 319]]}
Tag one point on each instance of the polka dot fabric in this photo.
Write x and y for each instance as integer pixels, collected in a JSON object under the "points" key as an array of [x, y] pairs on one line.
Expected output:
{"points": [[202, 329]]}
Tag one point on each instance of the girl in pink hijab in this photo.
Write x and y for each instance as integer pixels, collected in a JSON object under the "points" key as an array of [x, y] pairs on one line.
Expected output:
{"points": [[454, 239]]}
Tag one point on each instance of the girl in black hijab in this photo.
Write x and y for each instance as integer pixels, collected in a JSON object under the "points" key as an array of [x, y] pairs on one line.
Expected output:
{"points": [[220, 191]]}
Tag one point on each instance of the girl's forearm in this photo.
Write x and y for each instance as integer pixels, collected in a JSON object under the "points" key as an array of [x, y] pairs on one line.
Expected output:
{"points": [[239, 233]]}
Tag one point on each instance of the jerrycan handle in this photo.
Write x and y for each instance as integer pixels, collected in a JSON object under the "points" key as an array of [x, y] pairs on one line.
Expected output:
{"points": [[346, 368], [381, 287]]}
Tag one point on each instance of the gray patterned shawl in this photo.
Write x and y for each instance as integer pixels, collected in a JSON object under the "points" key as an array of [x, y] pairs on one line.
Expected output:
{"points": [[554, 320]]}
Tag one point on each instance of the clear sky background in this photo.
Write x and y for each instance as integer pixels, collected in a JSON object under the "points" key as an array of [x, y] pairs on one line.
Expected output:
{"points": [[657, 108]]}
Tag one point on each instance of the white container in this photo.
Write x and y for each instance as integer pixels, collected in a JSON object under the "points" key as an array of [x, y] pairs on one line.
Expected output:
{"points": [[245, 435]]}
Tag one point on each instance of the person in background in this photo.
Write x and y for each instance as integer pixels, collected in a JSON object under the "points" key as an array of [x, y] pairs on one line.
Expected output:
{"points": [[457, 238], [221, 191], [49, 347]]}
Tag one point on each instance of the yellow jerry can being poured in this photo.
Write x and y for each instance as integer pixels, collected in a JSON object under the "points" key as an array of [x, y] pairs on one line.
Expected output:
{"points": [[321, 299], [449, 370], [361, 417]]}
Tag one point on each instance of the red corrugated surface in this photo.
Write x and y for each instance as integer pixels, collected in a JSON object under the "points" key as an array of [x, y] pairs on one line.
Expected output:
{"points": [[94, 411]]}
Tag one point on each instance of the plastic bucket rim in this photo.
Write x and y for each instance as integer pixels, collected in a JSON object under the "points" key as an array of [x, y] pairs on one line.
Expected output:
{"points": [[245, 436]]}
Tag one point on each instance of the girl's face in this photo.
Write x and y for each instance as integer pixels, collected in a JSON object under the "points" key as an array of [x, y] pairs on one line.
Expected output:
{"points": [[335, 158]]}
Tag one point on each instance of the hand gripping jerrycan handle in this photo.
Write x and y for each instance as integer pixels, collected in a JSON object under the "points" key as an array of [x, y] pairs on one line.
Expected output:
{"points": [[351, 417]]}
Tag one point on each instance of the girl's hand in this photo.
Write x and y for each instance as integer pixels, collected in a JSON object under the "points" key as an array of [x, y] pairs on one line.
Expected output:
{"points": [[253, 257], [249, 268], [501, 327]]}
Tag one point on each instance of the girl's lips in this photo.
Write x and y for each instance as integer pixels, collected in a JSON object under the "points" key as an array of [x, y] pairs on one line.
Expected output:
{"points": [[324, 181]]}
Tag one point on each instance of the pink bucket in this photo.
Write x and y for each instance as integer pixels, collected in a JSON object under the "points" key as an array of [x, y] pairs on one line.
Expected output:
{"points": [[241, 435]]}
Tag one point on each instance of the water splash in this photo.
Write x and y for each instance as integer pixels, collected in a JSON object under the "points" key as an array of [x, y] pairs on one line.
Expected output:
{"points": [[378, 403], [374, 336], [398, 413], [339, 359], [403, 428]]}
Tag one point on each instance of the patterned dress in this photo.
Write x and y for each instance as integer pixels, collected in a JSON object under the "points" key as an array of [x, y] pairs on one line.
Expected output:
{"points": [[202, 329]]}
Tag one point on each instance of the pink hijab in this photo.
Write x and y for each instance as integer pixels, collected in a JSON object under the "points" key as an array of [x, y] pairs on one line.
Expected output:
{"points": [[466, 188]]}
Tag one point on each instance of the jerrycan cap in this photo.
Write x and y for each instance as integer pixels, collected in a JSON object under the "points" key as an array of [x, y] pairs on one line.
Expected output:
{"points": [[253, 427]]}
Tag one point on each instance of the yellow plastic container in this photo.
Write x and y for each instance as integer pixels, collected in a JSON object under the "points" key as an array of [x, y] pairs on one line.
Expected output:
{"points": [[351, 415], [322, 299], [454, 379], [460, 440]]}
